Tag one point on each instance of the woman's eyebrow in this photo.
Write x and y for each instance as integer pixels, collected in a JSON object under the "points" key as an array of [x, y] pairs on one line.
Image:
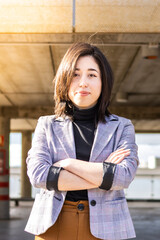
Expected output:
{"points": [[92, 69], [89, 69]]}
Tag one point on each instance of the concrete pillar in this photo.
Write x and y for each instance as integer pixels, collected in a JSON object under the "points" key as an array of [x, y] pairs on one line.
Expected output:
{"points": [[4, 167], [26, 145]]}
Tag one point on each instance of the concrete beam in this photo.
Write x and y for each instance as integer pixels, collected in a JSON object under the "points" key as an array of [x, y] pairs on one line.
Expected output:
{"points": [[35, 16], [25, 112], [23, 124], [131, 112], [147, 126], [118, 16], [68, 38], [137, 112], [39, 16]]}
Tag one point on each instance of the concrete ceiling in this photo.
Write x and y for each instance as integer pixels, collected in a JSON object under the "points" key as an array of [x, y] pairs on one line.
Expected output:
{"points": [[27, 72], [61, 16], [31, 49], [26, 75]]}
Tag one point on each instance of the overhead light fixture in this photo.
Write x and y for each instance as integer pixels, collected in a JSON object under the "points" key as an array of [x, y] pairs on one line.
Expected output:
{"points": [[122, 97], [151, 51]]}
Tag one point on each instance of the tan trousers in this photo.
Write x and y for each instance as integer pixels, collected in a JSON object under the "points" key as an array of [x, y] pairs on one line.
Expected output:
{"points": [[72, 223]]}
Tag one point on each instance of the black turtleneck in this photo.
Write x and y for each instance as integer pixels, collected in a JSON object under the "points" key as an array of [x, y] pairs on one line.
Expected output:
{"points": [[84, 122]]}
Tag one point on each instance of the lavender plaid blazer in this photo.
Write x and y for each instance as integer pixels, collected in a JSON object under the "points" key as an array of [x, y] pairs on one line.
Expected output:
{"points": [[53, 140]]}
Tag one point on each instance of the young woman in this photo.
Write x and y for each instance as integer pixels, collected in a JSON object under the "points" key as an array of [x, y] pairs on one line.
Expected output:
{"points": [[83, 156]]}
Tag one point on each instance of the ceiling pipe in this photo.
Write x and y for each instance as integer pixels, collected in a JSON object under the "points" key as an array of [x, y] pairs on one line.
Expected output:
{"points": [[73, 15]]}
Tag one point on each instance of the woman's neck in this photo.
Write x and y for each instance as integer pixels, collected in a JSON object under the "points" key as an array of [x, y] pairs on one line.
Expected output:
{"points": [[87, 114]]}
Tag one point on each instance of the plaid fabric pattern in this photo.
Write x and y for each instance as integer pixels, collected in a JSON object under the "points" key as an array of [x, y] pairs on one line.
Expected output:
{"points": [[53, 140]]}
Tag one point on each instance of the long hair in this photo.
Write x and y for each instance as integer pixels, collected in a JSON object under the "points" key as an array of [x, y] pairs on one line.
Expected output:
{"points": [[65, 73]]}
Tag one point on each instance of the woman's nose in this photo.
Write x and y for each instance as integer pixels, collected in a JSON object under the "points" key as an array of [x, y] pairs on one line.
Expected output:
{"points": [[83, 82]]}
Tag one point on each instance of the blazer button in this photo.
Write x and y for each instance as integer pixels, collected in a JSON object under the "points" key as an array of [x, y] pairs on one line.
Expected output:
{"points": [[80, 206], [93, 203]]}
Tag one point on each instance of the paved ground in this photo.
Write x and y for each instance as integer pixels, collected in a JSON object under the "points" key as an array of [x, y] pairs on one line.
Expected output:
{"points": [[146, 219], [145, 215]]}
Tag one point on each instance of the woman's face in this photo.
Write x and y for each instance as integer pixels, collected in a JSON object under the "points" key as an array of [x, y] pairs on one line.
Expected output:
{"points": [[85, 87]]}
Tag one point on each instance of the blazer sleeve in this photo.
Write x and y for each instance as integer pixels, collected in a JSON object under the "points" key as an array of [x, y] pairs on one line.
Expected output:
{"points": [[126, 170], [39, 158]]}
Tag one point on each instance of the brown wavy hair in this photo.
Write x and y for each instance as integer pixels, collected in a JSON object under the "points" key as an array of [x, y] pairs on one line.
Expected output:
{"points": [[65, 73]]}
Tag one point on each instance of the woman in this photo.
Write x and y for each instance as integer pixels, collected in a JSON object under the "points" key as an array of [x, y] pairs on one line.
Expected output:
{"points": [[82, 157]]}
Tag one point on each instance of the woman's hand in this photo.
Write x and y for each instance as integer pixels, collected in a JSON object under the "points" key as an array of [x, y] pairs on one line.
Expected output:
{"points": [[118, 155], [63, 163]]}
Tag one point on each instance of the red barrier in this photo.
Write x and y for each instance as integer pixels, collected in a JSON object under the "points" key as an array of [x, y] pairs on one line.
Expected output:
{"points": [[3, 172], [4, 184], [4, 198], [2, 162]]}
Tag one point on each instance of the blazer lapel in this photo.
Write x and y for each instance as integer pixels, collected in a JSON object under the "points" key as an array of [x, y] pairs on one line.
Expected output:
{"points": [[64, 132], [103, 135]]}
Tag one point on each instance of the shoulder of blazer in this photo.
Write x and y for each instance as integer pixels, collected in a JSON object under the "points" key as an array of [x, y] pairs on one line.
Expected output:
{"points": [[51, 119], [113, 117]]}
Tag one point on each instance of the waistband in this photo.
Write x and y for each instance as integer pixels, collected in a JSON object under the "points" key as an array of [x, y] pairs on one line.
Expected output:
{"points": [[79, 206], [85, 202]]}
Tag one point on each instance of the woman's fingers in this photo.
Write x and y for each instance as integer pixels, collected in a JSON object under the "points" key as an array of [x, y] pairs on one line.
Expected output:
{"points": [[56, 164], [118, 160], [118, 156], [121, 150]]}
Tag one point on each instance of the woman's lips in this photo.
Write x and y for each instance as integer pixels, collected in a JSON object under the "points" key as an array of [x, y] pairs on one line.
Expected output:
{"points": [[83, 93]]}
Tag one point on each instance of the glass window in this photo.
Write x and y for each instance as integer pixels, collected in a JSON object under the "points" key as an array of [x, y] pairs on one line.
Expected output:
{"points": [[148, 149], [15, 149]]}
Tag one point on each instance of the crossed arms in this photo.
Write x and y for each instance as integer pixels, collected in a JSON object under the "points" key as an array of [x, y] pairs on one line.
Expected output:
{"points": [[80, 174]]}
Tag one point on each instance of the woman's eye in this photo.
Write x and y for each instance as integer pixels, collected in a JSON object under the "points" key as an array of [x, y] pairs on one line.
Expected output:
{"points": [[92, 75], [76, 75]]}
